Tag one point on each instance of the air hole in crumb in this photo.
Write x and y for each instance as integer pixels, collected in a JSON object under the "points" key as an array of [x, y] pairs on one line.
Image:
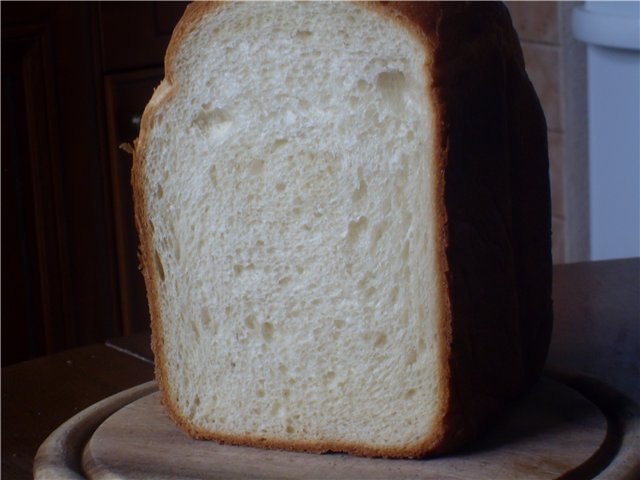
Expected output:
{"points": [[407, 218], [304, 104], [329, 376], [267, 331], [409, 393], [215, 122], [381, 339], [290, 429], [260, 393], [392, 85], [422, 346], [280, 186], [276, 409], [406, 272], [159, 266], [237, 269], [159, 192], [196, 331], [393, 296], [362, 85], [256, 166], [412, 357], [284, 281], [317, 333], [376, 233], [405, 252], [362, 283], [339, 323], [356, 227], [205, 316], [302, 34], [279, 143], [360, 192], [250, 321], [213, 175]]}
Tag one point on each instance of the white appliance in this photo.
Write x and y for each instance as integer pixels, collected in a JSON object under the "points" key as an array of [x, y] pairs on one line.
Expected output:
{"points": [[611, 31]]}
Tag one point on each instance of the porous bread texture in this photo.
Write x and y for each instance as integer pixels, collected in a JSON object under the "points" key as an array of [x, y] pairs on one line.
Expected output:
{"points": [[292, 232]]}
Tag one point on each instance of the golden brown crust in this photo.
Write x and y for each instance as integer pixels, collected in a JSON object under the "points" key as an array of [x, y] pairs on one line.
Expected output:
{"points": [[492, 345]]}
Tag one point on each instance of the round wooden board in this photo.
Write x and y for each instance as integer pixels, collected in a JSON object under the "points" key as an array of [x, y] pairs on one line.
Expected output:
{"points": [[554, 432]]}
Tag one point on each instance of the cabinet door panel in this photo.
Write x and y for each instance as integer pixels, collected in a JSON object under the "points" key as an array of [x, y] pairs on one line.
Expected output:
{"points": [[136, 34]]}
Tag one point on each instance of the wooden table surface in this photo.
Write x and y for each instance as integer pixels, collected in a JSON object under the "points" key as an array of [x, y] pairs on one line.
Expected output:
{"points": [[596, 333]]}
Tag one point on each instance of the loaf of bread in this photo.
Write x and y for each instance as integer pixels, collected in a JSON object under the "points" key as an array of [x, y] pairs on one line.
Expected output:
{"points": [[344, 222]]}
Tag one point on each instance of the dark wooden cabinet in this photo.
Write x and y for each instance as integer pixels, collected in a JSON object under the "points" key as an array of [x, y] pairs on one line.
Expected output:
{"points": [[126, 95], [75, 79]]}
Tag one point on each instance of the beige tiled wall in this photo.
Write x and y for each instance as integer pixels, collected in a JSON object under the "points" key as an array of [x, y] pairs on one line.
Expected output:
{"points": [[555, 64]]}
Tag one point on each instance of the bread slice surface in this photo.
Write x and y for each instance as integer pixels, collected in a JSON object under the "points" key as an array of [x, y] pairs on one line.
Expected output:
{"points": [[290, 200], [289, 191]]}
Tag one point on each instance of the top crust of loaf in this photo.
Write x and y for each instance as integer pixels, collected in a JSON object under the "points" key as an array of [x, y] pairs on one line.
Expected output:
{"points": [[467, 43]]}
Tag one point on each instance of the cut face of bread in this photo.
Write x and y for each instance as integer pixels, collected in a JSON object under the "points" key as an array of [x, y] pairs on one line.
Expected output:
{"points": [[289, 196]]}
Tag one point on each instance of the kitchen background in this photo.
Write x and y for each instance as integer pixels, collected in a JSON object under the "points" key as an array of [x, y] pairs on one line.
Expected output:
{"points": [[76, 77]]}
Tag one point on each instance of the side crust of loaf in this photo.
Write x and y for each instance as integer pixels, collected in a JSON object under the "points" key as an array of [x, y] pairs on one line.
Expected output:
{"points": [[474, 395]]}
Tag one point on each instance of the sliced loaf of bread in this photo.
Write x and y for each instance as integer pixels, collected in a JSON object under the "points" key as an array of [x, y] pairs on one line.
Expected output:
{"points": [[344, 222]]}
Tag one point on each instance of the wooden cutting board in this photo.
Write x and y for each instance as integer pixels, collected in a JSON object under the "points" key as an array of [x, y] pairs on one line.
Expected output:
{"points": [[556, 431]]}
